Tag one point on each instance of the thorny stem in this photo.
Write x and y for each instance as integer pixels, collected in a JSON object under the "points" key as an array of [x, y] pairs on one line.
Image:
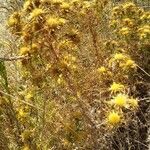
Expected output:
{"points": [[94, 38], [84, 110]]}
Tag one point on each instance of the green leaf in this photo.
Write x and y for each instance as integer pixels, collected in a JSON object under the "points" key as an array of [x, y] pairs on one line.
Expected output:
{"points": [[3, 75]]}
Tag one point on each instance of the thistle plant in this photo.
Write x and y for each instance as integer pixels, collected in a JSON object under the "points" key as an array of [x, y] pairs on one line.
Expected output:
{"points": [[76, 85]]}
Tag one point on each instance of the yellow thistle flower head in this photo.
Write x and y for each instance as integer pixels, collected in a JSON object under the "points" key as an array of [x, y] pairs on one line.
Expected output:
{"points": [[29, 95], [87, 4], [36, 12], [26, 4], [22, 113], [34, 47], [116, 87], [64, 44], [24, 50], [145, 29], [62, 21], [143, 36], [114, 118], [133, 102], [53, 22], [60, 79], [124, 31], [12, 21], [65, 5], [120, 100], [119, 56], [128, 22], [57, 2], [48, 66], [116, 9], [16, 15], [75, 1], [45, 1], [129, 5], [130, 64], [140, 11], [25, 134], [113, 23], [143, 17], [102, 69], [26, 147]]}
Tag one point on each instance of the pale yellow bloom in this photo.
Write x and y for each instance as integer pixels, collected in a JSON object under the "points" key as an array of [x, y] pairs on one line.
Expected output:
{"points": [[130, 64], [128, 22], [53, 22], [116, 9], [87, 4], [25, 134], [12, 21], [36, 12], [144, 29], [34, 47], [124, 31], [29, 95], [128, 5], [113, 23], [120, 100], [116, 87], [22, 113], [57, 1], [26, 4], [24, 50], [46, 1], [65, 5], [48, 66], [133, 102], [114, 118], [62, 21], [119, 56], [102, 69], [26, 147], [60, 79], [144, 32]]}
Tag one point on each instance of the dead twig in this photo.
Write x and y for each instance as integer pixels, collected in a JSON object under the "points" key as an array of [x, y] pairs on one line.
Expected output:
{"points": [[14, 58]]}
